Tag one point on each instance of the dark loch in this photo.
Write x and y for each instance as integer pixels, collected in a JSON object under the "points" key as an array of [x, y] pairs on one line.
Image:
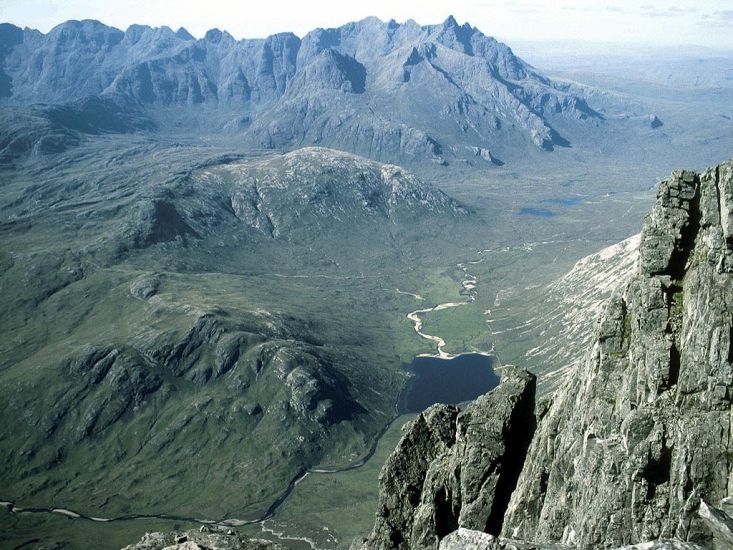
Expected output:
{"points": [[539, 212], [448, 381]]}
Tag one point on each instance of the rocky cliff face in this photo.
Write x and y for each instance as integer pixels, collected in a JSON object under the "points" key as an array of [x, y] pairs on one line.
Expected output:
{"points": [[151, 65], [637, 440]]}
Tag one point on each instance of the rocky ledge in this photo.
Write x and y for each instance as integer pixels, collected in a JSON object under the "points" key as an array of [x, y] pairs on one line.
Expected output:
{"points": [[634, 445], [204, 539]]}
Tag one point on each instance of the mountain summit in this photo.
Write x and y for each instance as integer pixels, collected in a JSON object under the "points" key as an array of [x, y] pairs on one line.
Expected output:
{"points": [[387, 90]]}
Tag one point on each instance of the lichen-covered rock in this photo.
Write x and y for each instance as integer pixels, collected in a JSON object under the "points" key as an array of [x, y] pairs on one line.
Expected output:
{"points": [[720, 523], [462, 539], [641, 431], [663, 545], [456, 469], [403, 475], [654, 122], [145, 286], [470, 539]]}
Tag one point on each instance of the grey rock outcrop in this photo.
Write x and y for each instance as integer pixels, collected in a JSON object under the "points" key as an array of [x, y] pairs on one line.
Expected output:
{"points": [[663, 545], [401, 480], [203, 539], [318, 190], [456, 468], [719, 522], [470, 539], [637, 438], [654, 122], [461, 539], [145, 286]]}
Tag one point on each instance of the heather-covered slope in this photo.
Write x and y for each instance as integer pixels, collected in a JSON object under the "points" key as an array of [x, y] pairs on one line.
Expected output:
{"points": [[178, 319]]}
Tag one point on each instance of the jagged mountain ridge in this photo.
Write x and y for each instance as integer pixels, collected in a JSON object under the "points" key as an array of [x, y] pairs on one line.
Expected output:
{"points": [[632, 448], [382, 89]]}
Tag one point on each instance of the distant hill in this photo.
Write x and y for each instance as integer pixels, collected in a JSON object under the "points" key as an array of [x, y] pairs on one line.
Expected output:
{"points": [[386, 90], [314, 191]]}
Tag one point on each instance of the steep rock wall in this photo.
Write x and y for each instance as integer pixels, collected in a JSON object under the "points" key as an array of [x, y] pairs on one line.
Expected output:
{"points": [[642, 430]]}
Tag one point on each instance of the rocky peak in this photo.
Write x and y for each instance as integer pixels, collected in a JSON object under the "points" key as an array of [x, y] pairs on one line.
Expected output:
{"points": [[88, 32], [10, 36], [215, 36], [183, 34], [454, 35], [450, 22]]}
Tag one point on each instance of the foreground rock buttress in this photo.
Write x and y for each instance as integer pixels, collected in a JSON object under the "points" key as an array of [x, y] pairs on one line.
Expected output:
{"points": [[634, 444], [642, 431], [455, 468]]}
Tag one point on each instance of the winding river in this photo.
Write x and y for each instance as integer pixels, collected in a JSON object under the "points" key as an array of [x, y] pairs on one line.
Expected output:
{"points": [[13, 507], [228, 522], [468, 289]]}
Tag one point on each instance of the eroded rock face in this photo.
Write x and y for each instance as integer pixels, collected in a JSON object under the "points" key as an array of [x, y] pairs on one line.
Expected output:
{"points": [[456, 468], [401, 481], [318, 189], [642, 430]]}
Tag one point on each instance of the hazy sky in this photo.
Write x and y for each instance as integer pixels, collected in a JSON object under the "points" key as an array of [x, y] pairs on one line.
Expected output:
{"points": [[703, 22]]}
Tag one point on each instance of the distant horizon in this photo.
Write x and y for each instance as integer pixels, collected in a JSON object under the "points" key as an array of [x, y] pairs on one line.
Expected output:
{"points": [[510, 41], [704, 23]]}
